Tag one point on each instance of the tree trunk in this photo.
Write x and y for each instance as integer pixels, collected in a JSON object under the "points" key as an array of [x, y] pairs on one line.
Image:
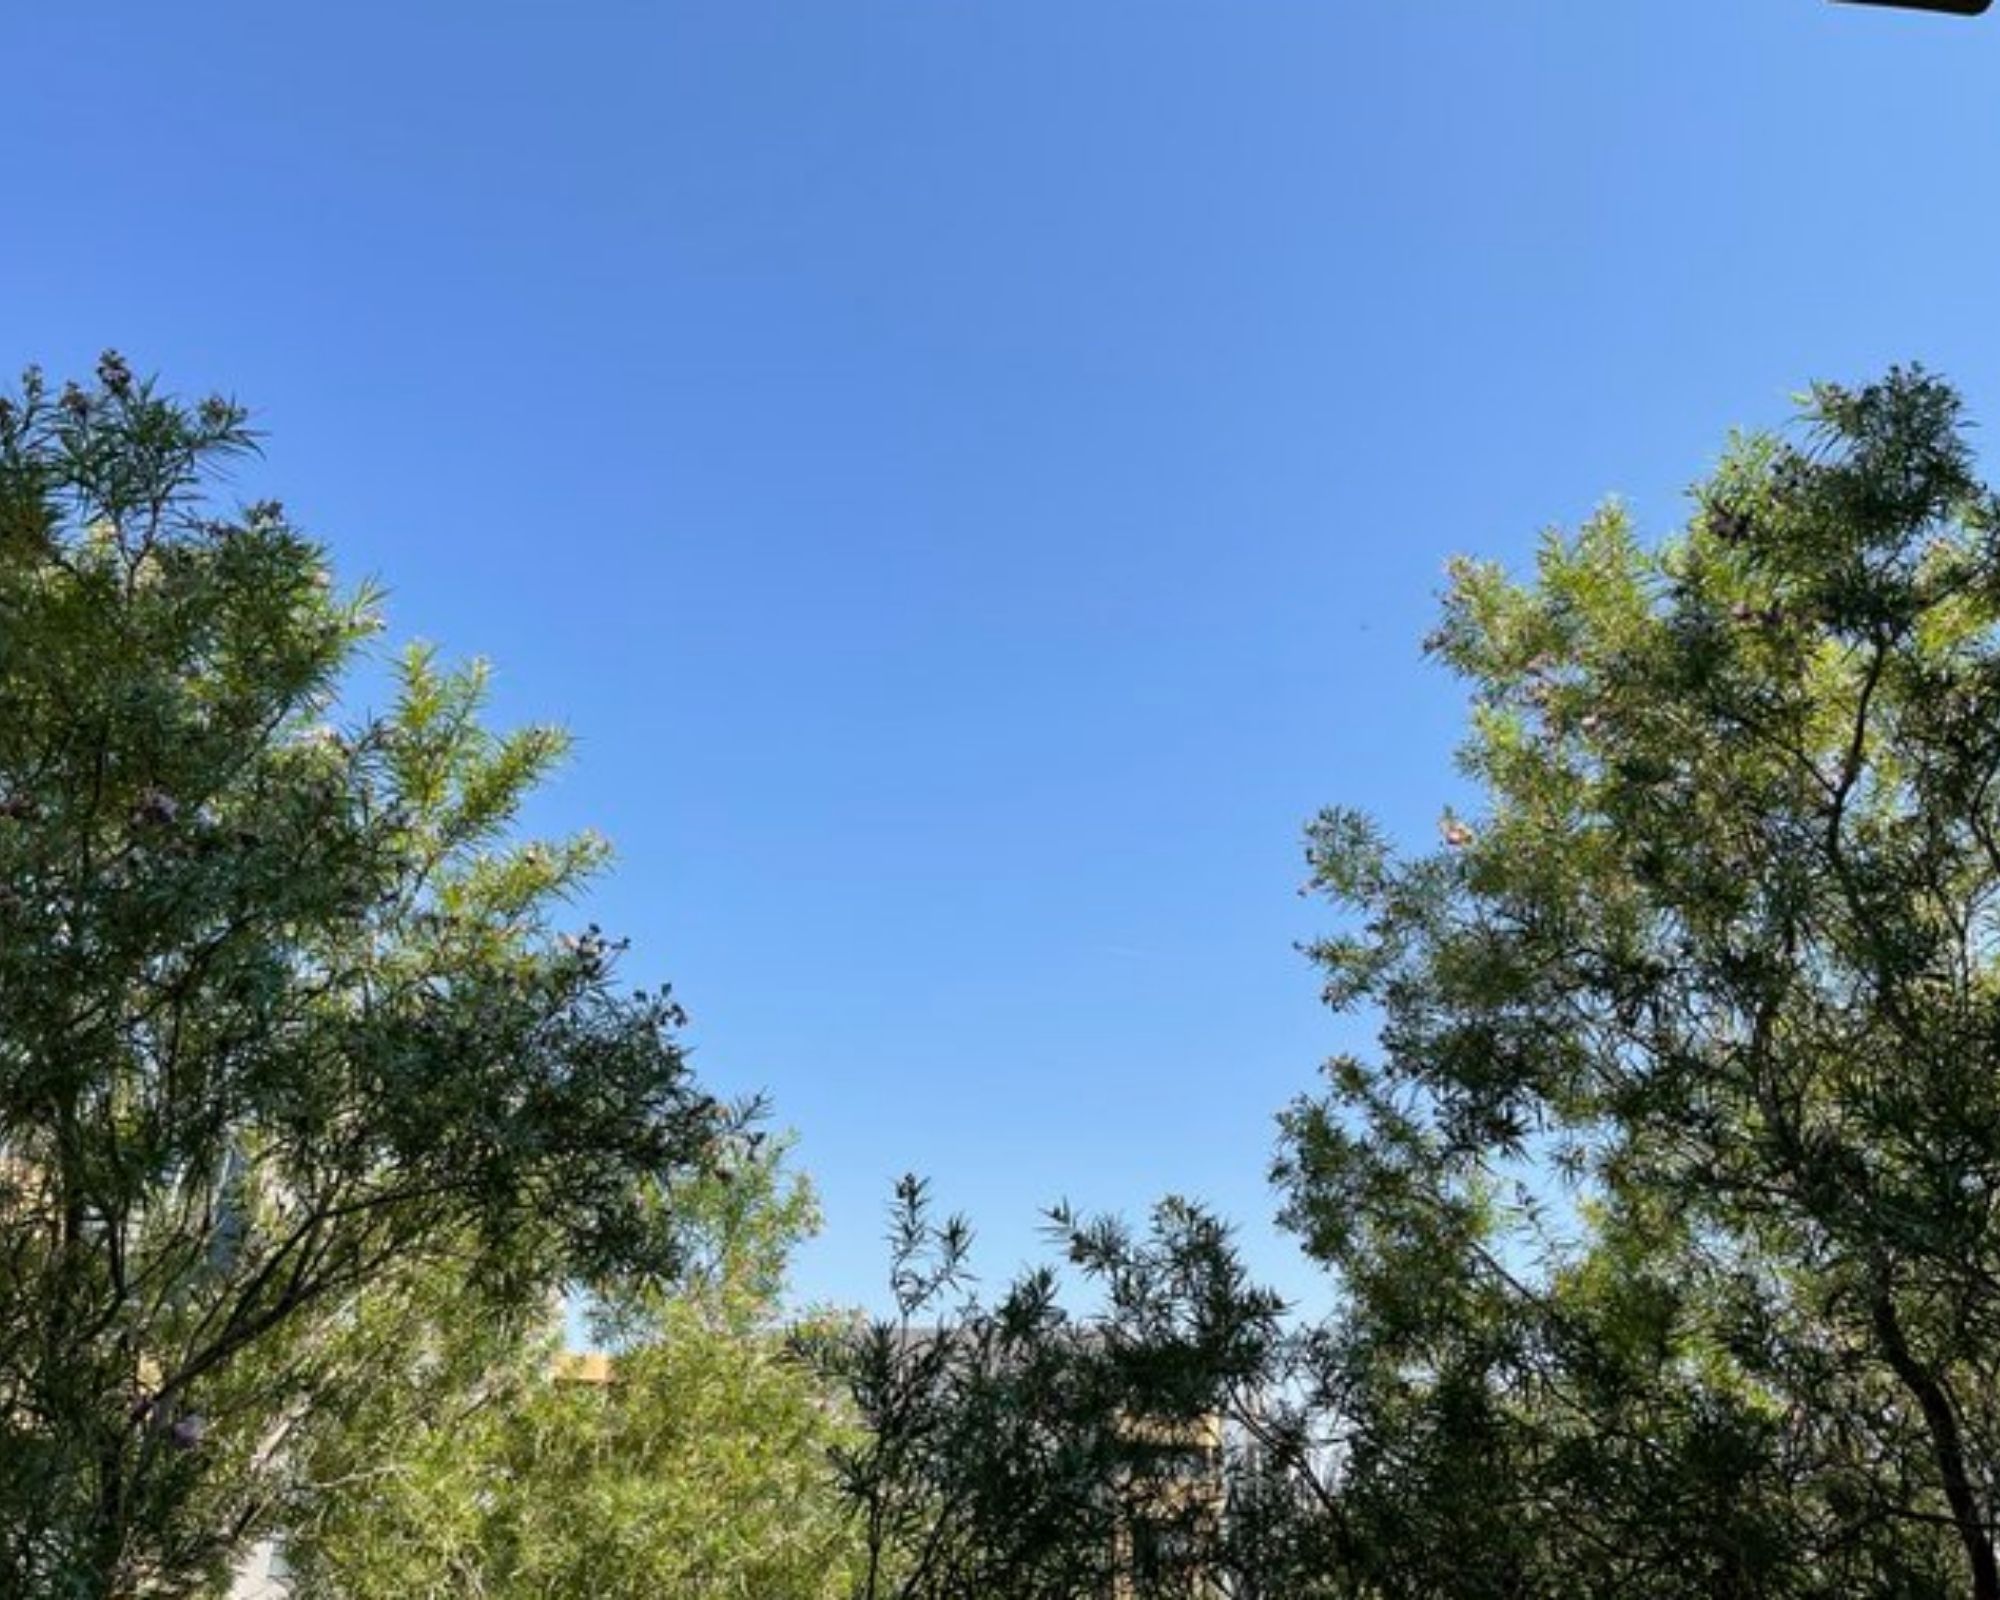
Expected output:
{"points": [[1947, 1444]]}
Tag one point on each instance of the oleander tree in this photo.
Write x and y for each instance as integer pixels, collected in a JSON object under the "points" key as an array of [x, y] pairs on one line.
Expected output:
{"points": [[290, 1027]]}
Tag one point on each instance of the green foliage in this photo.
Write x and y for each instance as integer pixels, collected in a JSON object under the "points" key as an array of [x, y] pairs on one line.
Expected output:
{"points": [[1666, 1212], [472, 1466], [1015, 1452], [287, 1033]]}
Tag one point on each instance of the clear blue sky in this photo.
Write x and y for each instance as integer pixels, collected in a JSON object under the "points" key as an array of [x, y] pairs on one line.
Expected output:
{"points": [[973, 473]]}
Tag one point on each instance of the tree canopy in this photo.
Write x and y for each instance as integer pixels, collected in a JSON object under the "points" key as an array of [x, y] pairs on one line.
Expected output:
{"points": [[287, 1022], [1662, 1217], [1667, 1207]]}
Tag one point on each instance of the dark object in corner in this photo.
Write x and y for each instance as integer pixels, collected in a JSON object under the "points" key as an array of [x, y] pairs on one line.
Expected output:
{"points": [[1958, 8]]}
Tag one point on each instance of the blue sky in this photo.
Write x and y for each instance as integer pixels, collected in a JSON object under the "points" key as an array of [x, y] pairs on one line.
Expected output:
{"points": [[973, 473]]}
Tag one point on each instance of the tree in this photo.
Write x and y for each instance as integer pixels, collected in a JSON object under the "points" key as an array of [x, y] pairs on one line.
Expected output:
{"points": [[1020, 1451], [696, 1465], [1667, 1213], [286, 1029]]}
